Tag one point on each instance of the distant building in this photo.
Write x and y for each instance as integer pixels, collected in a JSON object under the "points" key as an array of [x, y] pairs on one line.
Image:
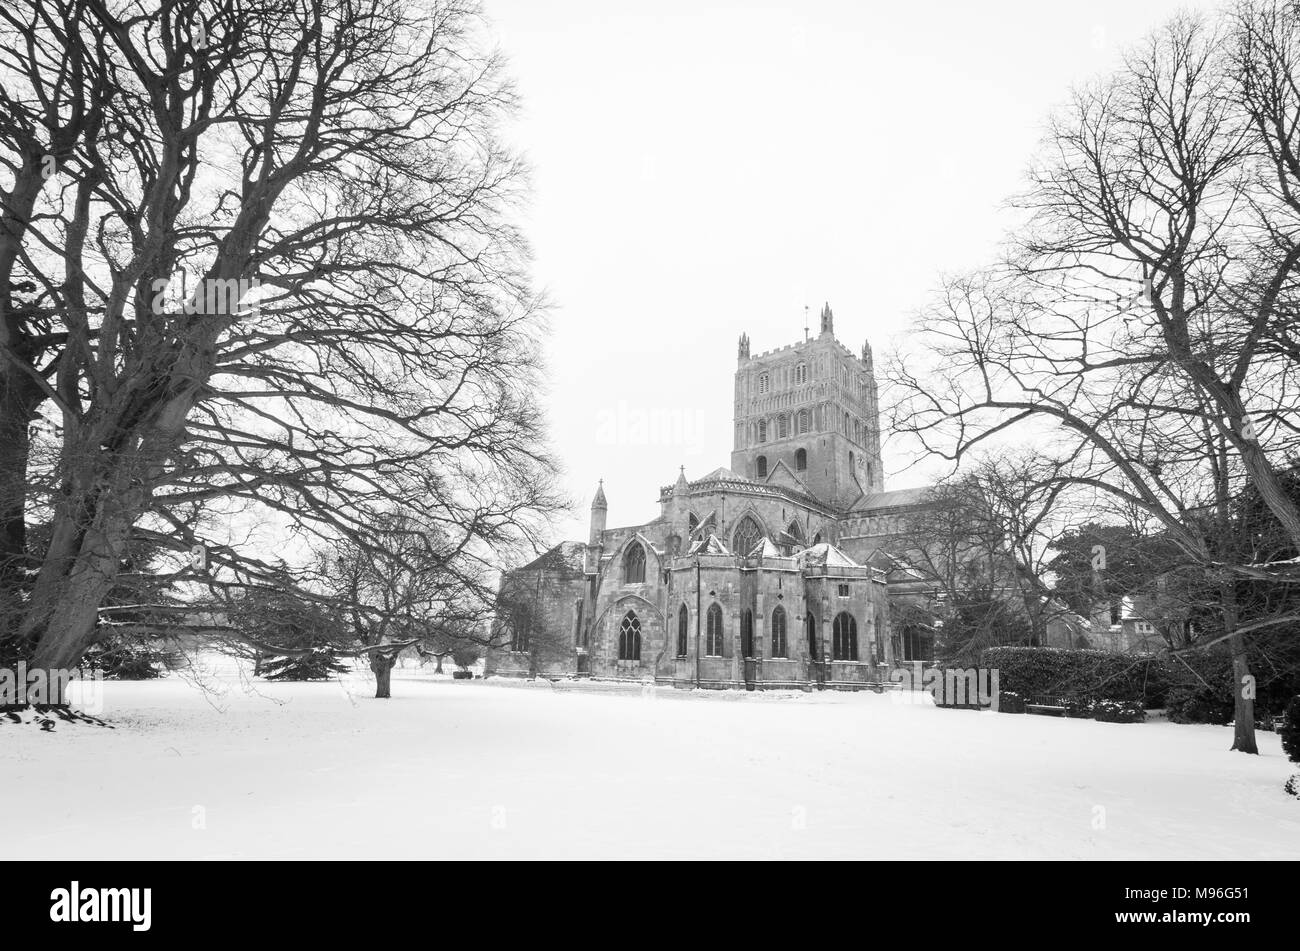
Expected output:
{"points": [[776, 572]]}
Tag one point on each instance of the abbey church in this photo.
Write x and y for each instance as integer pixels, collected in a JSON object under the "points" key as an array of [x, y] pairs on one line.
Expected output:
{"points": [[775, 572]]}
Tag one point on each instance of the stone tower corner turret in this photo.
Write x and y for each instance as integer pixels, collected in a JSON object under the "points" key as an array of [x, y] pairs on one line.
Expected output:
{"points": [[599, 511], [828, 319]]}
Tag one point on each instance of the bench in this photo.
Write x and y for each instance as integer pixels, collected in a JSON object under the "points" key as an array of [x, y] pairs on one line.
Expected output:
{"points": [[1045, 709]]}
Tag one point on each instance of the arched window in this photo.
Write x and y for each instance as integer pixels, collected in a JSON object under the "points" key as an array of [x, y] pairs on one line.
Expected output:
{"points": [[782, 426], [852, 469], [746, 537], [795, 531], [520, 624], [629, 637], [844, 637], [870, 473], [634, 565], [762, 430], [857, 431], [762, 467], [713, 633], [747, 633], [804, 421], [801, 373], [683, 629], [577, 624], [764, 384], [810, 629], [800, 460], [846, 424], [778, 632]]}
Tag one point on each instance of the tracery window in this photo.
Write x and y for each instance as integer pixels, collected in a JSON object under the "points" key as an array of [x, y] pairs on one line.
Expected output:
{"points": [[629, 637]]}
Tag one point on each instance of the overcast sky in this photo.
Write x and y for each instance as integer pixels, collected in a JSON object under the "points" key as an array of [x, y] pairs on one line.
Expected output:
{"points": [[705, 168]]}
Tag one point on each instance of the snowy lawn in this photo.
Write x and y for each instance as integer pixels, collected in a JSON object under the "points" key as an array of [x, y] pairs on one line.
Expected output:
{"points": [[501, 770]]}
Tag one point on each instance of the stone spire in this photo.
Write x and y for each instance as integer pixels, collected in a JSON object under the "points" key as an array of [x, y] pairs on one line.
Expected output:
{"points": [[866, 353], [599, 510], [680, 486], [743, 349], [828, 319]]}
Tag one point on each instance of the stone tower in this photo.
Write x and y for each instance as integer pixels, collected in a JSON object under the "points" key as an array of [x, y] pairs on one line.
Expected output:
{"points": [[807, 415]]}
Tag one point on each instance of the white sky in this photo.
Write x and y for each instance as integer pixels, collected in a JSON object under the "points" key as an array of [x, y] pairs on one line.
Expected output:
{"points": [[704, 168]]}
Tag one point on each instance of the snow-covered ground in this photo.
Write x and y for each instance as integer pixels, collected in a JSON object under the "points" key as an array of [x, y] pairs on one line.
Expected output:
{"points": [[498, 770]]}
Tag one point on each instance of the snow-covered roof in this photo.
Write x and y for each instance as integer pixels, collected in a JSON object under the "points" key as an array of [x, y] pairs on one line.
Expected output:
{"points": [[892, 499], [566, 556], [825, 554], [709, 546]]}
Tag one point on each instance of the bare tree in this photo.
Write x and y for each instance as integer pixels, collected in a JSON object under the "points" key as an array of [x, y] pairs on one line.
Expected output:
{"points": [[1137, 328], [254, 257]]}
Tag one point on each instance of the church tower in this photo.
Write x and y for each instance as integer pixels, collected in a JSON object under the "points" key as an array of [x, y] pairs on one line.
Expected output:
{"points": [[806, 415]]}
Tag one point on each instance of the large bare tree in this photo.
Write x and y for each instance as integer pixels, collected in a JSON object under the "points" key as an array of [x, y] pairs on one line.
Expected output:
{"points": [[256, 257], [1143, 325]]}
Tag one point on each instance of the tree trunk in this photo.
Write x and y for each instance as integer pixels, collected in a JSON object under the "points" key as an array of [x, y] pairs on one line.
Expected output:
{"points": [[382, 665], [17, 409], [438, 669], [1243, 731]]}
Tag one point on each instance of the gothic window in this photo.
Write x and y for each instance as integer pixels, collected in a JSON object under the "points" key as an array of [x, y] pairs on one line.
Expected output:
{"points": [[764, 384], [794, 531], [782, 427], [747, 633], [804, 421], [844, 637], [778, 632], [762, 430], [634, 565], [801, 460], [852, 464], [746, 537], [713, 632], [846, 424], [762, 467], [577, 624], [810, 630], [857, 431], [629, 637], [870, 473], [683, 629], [801, 373], [519, 628]]}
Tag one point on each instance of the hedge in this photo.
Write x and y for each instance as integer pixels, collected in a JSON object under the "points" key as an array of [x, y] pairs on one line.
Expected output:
{"points": [[1064, 673]]}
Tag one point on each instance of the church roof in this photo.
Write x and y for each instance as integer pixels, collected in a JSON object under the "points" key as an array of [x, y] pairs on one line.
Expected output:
{"points": [[723, 474], [893, 499], [709, 546], [566, 556], [825, 554]]}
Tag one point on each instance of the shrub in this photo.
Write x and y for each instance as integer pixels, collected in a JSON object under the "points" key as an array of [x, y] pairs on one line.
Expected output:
{"points": [[121, 658], [1118, 711], [1293, 785], [1290, 730], [462, 675], [1199, 705], [1009, 702], [318, 664], [1078, 707]]}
